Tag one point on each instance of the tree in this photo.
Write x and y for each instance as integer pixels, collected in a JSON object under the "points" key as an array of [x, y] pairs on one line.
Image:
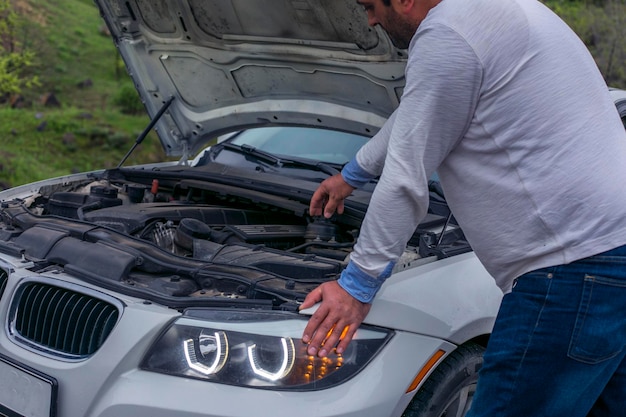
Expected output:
{"points": [[14, 60]]}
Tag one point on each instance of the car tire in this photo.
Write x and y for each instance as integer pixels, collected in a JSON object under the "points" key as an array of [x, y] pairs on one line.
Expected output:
{"points": [[450, 388], [621, 108]]}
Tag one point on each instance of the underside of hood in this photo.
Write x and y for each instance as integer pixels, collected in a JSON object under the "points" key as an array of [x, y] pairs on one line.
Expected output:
{"points": [[224, 65]]}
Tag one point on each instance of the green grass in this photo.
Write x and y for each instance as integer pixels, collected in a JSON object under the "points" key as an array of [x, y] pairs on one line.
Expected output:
{"points": [[38, 144], [88, 131], [72, 40]]}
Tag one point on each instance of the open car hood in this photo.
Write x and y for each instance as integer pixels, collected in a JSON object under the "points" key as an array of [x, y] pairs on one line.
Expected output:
{"points": [[227, 65]]}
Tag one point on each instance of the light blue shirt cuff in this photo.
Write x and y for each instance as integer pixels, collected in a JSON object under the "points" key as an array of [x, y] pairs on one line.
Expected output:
{"points": [[354, 175], [360, 285]]}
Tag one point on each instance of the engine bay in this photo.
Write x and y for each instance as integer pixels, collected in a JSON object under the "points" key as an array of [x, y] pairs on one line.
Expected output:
{"points": [[187, 241]]}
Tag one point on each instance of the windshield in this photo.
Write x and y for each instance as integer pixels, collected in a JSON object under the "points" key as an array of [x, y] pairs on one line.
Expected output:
{"points": [[316, 144]]}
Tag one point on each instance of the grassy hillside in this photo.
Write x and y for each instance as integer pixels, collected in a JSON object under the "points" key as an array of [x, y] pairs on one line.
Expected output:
{"points": [[73, 49], [79, 67]]}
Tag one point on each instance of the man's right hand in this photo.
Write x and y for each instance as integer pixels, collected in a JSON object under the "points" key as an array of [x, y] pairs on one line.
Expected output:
{"points": [[329, 196], [335, 321]]}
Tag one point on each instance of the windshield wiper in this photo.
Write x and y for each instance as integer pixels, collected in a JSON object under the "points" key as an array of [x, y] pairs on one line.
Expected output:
{"points": [[251, 150], [317, 165], [281, 162]]}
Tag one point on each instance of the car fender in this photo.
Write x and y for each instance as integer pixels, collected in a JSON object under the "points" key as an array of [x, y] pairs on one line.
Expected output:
{"points": [[454, 299]]}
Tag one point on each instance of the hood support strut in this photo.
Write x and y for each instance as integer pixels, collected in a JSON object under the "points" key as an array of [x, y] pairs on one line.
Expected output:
{"points": [[145, 132]]}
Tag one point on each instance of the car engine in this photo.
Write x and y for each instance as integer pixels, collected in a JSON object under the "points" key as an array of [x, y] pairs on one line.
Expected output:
{"points": [[183, 241]]}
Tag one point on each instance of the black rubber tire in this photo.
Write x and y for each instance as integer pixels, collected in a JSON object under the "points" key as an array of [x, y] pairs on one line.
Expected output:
{"points": [[621, 108], [449, 390]]}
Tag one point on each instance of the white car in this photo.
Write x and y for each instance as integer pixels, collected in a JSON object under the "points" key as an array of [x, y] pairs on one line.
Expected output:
{"points": [[173, 289]]}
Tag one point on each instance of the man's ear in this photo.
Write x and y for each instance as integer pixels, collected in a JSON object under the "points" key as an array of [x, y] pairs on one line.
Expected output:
{"points": [[403, 6]]}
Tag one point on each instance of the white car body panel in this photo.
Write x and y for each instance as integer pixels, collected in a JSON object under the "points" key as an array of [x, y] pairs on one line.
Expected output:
{"points": [[453, 299]]}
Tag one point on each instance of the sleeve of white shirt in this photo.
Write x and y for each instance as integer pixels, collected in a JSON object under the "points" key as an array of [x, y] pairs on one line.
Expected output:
{"points": [[443, 80], [369, 161]]}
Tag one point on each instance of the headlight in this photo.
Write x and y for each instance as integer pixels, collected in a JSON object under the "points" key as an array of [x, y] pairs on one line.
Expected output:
{"points": [[256, 349]]}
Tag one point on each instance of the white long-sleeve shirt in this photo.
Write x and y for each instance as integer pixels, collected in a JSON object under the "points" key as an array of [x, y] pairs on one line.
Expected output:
{"points": [[505, 102]]}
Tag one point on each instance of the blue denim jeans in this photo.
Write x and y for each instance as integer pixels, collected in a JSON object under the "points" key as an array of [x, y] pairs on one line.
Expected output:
{"points": [[559, 344]]}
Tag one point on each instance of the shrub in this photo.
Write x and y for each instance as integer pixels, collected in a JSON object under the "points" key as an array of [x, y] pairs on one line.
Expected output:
{"points": [[14, 60], [128, 100]]}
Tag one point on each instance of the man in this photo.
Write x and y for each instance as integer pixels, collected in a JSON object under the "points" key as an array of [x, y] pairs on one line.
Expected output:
{"points": [[506, 104]]}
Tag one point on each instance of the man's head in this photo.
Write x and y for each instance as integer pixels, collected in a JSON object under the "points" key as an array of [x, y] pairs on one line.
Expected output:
{"points": [[399, 18]]}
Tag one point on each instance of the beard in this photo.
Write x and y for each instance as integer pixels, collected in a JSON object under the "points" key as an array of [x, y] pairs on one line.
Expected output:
{"points": [[399, 30]]}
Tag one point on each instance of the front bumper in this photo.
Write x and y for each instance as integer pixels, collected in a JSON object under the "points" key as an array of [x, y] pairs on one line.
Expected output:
{"points": [[111, 383]]}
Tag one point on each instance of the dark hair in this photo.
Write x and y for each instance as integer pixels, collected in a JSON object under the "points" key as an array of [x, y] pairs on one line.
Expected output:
{"points": [[387, 2]]}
